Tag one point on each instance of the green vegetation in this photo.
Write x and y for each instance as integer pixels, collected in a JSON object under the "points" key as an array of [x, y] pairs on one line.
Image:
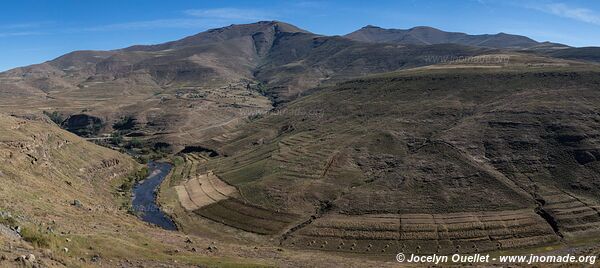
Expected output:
{"points": [[126, 187], [134, 143], [116, 139], [55, 116], [34, 235], [126, 123], [8, 221], [177, 160], [38, 237]]}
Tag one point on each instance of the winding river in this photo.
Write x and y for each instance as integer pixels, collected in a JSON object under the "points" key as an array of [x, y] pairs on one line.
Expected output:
{"points": [[144, 196]]}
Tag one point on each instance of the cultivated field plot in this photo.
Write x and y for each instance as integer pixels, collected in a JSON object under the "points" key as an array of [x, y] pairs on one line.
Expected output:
{"points": [[203, 190], [425, 233], [573, 215], [203, 193], [300, 159], [235, 213]]}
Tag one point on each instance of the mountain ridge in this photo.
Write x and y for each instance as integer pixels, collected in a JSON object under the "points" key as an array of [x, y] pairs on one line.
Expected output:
{"points": [[426, 35], [282, 138], [214, 73]]}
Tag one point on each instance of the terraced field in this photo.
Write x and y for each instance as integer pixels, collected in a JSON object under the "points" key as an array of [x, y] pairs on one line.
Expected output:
{"points": [[203, 190], [203, 193], [573, 216], [300, 159], [424, 161], [236, 213], [425, 233]]}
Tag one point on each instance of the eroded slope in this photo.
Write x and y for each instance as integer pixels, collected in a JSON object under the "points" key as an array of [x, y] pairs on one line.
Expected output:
{"points": [[472, 159]]}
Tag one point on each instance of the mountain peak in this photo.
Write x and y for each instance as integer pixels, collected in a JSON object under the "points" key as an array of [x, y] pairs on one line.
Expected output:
{"points": [[233, 31]]}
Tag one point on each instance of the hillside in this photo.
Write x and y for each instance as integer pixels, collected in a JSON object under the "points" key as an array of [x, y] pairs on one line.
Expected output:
{"points": [[62, 193], [465, 157], [427, 36], [294, 149], [62, 200], [200, 86], [589, 54]]}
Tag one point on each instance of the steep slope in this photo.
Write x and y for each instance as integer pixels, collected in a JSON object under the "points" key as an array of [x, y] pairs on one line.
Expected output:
{"points": [[428, 36], [209, 74], [200, 86], [60, 201], [298, 62], [431, 160]]}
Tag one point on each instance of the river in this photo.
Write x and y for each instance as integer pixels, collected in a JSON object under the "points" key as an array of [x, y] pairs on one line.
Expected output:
{"points": [[144, 196]]}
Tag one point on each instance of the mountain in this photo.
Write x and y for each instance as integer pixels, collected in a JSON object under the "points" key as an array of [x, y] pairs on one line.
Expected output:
{"points": [[203, 85], [439, 159], [429, 36], [589, 54], [289, 147]]}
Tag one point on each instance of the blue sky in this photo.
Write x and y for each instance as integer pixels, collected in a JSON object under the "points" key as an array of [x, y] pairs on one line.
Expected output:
{"points": [[36, 31]]}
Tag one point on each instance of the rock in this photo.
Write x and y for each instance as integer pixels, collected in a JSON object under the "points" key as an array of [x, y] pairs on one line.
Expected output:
{"points": [[194, 250], [26, 261], [5, 214], [68, 239], [212, 248], [65, 250], [188, 240], [30, 258], [76, 203], [3, 257]]}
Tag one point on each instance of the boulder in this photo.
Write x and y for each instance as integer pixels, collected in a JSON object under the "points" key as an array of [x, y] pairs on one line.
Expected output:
{"points": [[76, 203]]}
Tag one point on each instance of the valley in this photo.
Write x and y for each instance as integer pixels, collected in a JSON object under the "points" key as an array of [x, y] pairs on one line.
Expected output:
{"points": [[265, 145], [355, 198]]}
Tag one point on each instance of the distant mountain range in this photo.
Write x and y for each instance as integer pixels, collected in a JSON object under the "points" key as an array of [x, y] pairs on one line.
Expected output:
{"points": [[377, 142], [285, 58], [423, 35], [270, 58]]}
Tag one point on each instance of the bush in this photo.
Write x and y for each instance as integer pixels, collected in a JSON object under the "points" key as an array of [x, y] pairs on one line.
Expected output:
{"points": [[36, 237], [55, 117], [116, 139], [8, 221], [132, 179], [126, 123], [127, 186], [135, 143], [177, 160]]}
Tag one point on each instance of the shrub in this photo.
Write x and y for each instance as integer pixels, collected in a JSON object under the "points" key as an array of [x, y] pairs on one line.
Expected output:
{"points": [[8, 221], [55, 117], [116, 139], [36, 237], [126, 123]]}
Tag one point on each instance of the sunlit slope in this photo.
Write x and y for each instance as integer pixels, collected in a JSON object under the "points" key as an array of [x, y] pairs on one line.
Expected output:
{"points": [[66, 196], [428, 147]]}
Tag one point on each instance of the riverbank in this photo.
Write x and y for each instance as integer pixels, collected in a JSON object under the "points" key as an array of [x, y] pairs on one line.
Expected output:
{"points": [[145, 192]]}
